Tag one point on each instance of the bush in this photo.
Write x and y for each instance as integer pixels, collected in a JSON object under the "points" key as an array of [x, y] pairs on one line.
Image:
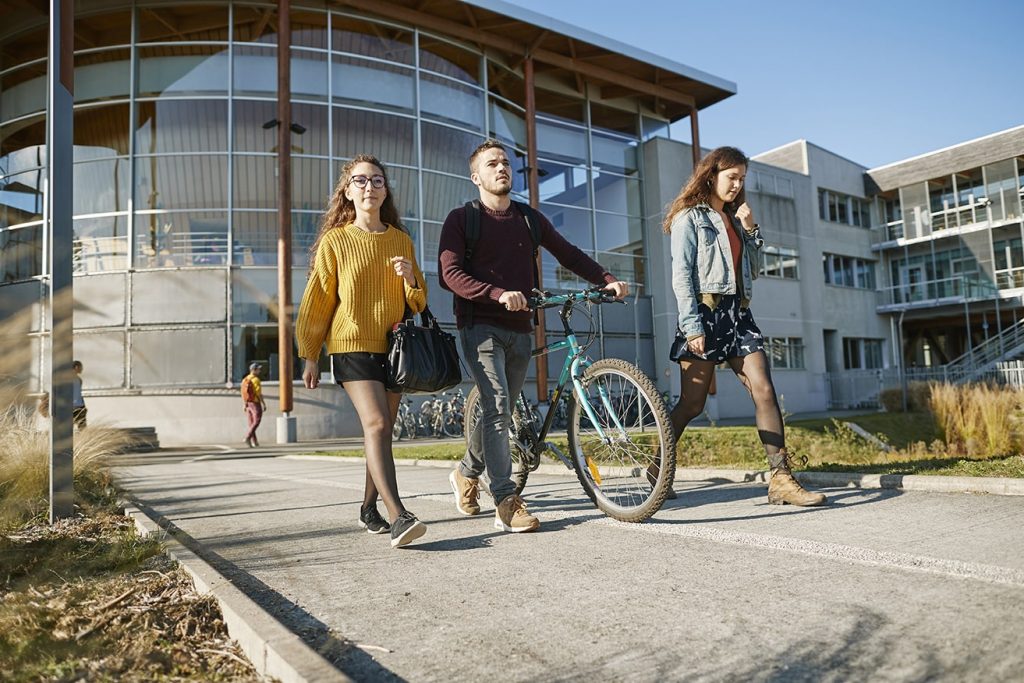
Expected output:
{"points": [[978, 419], [918, 398], [25, 465]]}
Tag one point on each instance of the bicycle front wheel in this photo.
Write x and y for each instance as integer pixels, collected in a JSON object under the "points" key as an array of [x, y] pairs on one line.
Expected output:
{"points": [[520, 458], [625, 455]]}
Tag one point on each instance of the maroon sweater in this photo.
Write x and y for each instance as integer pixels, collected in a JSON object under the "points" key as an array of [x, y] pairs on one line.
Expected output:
{"points": [[502, 263]]}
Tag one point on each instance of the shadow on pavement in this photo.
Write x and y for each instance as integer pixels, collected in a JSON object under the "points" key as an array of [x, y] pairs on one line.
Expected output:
{"points": [[344, 654]]}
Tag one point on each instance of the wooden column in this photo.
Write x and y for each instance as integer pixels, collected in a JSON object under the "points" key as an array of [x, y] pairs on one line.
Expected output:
{"points": [[695, 136], [533, 186], [284, 205]]}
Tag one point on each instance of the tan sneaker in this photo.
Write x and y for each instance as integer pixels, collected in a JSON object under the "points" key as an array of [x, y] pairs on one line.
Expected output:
{"points": [[784, 489], [467, 491], [511, 515]]}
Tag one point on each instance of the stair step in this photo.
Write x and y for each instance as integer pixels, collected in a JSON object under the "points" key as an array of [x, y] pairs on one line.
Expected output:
{"points": [[144, 439]]}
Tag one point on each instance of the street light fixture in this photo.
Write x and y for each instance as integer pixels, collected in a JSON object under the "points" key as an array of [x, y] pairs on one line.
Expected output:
{"points": [[296, 128]]}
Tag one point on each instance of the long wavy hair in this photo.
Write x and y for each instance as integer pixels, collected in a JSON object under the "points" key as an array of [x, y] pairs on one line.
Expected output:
{"points": [[701, 186], [342, 211]]}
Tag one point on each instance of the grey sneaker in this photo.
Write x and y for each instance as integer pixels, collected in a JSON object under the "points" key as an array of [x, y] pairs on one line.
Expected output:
{"points": [[371, 520], [406, 529]]}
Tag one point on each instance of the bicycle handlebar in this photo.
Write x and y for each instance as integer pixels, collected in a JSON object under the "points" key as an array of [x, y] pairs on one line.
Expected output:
{"points": [[596, 295]]}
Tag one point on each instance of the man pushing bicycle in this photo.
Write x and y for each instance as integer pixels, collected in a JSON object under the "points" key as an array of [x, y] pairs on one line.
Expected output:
{"points": [[487, 258]]}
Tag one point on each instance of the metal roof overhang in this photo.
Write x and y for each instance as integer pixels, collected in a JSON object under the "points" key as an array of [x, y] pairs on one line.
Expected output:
{"points": [[566, 52]]}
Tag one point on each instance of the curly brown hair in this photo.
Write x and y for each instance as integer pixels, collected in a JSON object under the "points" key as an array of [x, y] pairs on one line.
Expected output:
{"points": [[701, 186], [341, 211]]}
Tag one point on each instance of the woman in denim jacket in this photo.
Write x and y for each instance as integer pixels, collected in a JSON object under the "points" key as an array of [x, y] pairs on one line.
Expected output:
{"points": [[715, 258]]}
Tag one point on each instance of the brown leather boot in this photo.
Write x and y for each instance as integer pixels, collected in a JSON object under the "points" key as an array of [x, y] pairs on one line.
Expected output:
{"points": [[783, 488]]}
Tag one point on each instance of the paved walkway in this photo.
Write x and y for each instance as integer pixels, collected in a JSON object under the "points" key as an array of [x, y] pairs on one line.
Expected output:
{"points": [[880, 585]]}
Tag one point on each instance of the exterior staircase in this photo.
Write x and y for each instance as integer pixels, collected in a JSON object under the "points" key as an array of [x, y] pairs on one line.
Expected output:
{"points": [[984, 358]]}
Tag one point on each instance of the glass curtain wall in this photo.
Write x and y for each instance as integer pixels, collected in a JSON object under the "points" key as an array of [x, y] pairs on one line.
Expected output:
{"points": [[175, 166]]}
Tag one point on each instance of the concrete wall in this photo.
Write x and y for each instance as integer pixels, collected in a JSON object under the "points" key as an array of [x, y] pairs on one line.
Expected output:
{"points": [[667, 165], [847, 311]]}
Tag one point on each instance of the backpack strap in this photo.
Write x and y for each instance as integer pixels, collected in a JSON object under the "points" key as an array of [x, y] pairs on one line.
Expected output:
{"points": [[532, 220], [472, 237]]}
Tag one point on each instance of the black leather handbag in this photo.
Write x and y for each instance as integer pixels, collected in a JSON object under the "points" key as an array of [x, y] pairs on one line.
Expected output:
{"points": [[422, 359]]}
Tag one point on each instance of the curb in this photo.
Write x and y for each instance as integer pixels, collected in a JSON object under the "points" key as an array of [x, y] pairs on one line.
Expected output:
{"points": [[997, 486], [273, 649]]}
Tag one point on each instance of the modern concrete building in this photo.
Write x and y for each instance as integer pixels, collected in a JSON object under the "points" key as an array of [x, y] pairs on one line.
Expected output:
{"points": [[175, 202], [175, 151]]}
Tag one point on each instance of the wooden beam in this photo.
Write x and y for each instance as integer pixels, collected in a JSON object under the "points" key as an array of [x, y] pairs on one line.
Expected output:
{"points": [[260, 25], [513, 47], [85, 36], [611, 92], [530, 48], [581, 87], [160, 20]]}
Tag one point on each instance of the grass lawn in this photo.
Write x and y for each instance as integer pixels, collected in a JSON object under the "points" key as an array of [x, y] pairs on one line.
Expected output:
{"points": [[914, 437]]}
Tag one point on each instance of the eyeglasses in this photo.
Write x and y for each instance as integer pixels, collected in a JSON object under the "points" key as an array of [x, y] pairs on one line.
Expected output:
{"points": [[360, 181]]}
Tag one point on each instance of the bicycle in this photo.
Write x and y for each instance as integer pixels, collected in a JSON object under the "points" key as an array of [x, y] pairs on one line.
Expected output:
{"points": [[626, 466], [405, 422]]}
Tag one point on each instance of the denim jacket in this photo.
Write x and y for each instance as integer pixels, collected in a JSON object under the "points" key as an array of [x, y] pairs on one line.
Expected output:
{"points": [[702, 263]]}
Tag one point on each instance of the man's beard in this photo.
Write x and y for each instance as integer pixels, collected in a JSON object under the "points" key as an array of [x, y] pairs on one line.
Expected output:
{"points": [[500, 190]]}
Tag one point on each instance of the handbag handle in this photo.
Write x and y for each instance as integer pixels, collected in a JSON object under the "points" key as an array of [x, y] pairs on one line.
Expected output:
{"points": [[426, 317]]}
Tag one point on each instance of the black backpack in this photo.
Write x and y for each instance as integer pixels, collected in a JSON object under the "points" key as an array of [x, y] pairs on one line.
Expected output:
{"points": [[532, 220]]}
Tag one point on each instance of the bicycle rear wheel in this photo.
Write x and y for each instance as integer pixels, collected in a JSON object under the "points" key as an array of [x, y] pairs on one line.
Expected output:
{"points": [[520, 456], [629, 472]]}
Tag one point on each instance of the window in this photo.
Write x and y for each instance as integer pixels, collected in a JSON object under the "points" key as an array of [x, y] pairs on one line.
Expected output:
{"points": [[848, 271], [836, 207], [785, 352], [767, 183], [862, 354], [780, 262]]}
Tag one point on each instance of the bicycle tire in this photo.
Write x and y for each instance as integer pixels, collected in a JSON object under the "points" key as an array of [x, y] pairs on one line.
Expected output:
{"points": [[614, 475], [520, 460], [396, 428], [452, 425]]}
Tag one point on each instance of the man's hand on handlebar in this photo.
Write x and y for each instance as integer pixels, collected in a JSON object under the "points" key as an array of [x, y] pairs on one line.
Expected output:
{"points": [[513, 301], [618, 288]]}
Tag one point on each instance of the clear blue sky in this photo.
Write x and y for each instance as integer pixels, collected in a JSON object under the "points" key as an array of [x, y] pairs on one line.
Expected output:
{"points": [[874, 81]]}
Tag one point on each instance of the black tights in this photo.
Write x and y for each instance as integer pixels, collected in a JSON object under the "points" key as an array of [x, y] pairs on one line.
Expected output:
{"points": [[377, 410], [752, 371]]}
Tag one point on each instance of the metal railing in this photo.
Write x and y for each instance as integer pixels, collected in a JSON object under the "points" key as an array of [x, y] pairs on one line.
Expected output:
{"points": [[957, 288], [994, 349], [861, 389]]}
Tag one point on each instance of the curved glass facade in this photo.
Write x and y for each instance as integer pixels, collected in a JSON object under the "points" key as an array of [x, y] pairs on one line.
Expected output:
{"points": [[175, 207]]}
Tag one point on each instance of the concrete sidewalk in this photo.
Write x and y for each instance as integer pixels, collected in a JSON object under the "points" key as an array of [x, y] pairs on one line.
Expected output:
{"points": [[885, 584]]}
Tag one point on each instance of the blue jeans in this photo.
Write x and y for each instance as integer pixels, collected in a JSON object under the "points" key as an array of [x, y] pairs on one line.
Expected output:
{"points": [[498, 359]]}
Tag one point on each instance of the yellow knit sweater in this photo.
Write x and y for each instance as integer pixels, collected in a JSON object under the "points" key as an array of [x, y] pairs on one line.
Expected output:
{"points": [[353, 296]]}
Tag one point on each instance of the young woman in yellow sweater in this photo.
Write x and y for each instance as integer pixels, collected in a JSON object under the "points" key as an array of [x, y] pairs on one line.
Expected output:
{"points": [[362, 275]]}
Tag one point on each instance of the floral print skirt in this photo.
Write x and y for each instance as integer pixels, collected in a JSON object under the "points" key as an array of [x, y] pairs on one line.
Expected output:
{"points": [[729, 332]]}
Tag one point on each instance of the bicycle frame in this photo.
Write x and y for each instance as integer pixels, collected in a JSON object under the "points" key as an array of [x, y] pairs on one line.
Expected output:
{"points": [[575, 365]]}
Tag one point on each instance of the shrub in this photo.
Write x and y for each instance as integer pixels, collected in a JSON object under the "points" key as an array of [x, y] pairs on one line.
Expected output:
{"points": [[918, 398], [978, 419], [25, 465]]}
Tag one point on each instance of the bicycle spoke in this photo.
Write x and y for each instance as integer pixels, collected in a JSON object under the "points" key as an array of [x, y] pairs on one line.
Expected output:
{"points": [[623, 442]]}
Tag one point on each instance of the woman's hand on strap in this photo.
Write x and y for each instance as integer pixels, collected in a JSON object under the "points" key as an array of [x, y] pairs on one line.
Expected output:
{"points": [[403, 268]]}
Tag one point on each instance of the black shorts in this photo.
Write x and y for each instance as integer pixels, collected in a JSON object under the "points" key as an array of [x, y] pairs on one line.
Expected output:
{"points": [[729, 332], [358, 366]]}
